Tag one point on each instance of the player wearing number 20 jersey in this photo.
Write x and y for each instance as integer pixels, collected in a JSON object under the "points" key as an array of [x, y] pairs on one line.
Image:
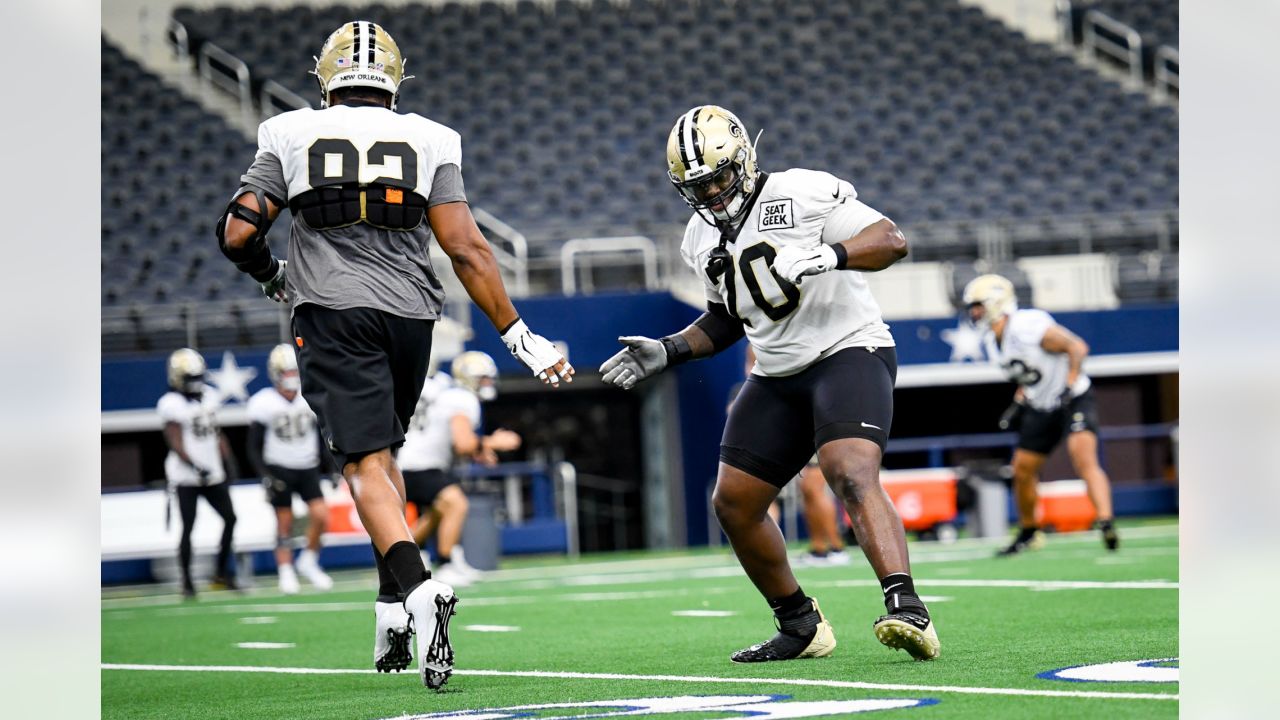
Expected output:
{"points": [[781, 258]]}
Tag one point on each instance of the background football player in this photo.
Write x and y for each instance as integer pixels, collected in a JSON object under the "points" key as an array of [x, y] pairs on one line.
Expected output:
{"points": [[1054, 398], [368, 188], [284, 447], [779, 256], [194, 466], [444, 430]]}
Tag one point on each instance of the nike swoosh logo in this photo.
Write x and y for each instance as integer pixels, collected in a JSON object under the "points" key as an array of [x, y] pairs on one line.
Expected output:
{"points": [[836, 194], [886, 590], [878, 428]]}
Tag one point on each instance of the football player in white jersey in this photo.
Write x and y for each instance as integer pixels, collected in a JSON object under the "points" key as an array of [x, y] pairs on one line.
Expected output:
{"points": [[368, 189], [285, 449], [195, 465], [444, 430], [1054, 398], [781, 258]]}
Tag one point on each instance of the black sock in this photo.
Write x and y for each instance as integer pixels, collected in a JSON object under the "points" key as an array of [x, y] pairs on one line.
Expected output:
{"points": [[1104, 524], [793, 604], [405, 563], [1026, 531], [900, 594], [388, 588], [444, 559]]}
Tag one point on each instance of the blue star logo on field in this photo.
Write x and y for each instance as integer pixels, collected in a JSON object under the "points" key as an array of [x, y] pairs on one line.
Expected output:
{"points": [[754, 706], [230, 380], [1164, 670], [965, 341]]}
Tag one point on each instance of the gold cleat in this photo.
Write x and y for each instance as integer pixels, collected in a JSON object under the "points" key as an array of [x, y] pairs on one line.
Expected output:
{"points": [[903, 631]]}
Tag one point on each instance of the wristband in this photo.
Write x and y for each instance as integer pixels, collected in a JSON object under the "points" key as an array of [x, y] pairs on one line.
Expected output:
{"points": [[678, 350], [842, 255]]}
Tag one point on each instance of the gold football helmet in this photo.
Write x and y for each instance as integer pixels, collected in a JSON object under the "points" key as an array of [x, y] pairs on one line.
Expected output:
{"points": [[360, 54], [185, 370], [282, 367], [712, 162], [476, 372], [994, 294]]}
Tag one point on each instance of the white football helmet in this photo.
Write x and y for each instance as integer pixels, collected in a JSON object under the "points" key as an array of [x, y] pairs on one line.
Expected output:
{"points": [[360, 54], [185, 370], [476, 372], [282, 368], [996, 296], [712, 162]]}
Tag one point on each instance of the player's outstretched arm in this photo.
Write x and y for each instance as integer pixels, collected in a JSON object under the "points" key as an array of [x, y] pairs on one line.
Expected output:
{"points": [[643, 357], [242, 237], [473, 261]]}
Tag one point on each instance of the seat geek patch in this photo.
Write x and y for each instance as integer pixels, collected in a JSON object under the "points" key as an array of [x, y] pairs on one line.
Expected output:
{"points": [[776, 215]]}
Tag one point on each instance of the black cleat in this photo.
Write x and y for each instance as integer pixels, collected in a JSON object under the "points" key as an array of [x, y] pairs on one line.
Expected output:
{"points": [[911, 632], [1027, 539], [819, 641], [1110, 538]]}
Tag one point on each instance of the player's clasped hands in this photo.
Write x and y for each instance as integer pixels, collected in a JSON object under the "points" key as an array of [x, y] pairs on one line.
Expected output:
{"points": [[537, 352], [641, 358]]}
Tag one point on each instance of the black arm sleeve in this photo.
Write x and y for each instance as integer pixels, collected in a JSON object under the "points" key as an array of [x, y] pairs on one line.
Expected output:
{"points": [[723, 328], [257, 437]]}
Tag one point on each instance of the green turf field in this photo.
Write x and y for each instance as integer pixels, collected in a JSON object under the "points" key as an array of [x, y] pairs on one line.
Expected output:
{"points": [[626, 627]]}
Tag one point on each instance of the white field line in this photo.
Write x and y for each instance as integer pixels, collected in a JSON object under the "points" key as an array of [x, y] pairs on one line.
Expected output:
{"points": [[629, 572], [671, 678], [558, 573], [365, 606]]}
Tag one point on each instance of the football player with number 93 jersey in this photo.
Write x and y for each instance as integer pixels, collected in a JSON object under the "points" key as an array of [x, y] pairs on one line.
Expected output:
{"points": [[781, 257], [1054, 399], [369, 188]]}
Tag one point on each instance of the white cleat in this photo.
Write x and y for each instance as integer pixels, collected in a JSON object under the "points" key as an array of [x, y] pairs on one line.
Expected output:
{"points": [[460, 561], [430, 606], [392, 634], [288, 580], [838, 557], [309, 565]]}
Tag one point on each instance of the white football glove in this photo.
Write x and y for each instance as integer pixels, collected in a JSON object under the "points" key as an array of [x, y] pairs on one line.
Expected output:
{"points": [[274, 288], [641, 358], [538, 353], [793, 263]]}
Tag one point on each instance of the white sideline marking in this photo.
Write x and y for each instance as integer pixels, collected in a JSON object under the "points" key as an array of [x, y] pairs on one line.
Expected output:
{"points": [[704, 613], [491, 628], [264, 645], [1038, 585], [268, 620], [670, 678]]}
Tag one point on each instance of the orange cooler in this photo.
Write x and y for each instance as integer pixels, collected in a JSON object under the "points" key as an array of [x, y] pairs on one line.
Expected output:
{"points": [[923, 498], [1064, 504]]}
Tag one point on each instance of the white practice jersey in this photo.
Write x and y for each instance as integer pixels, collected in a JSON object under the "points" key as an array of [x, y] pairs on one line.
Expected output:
{"points": [[1041, 374], [428, 442], [291, 440], [371, 144], [199, 437], [791, 327]]}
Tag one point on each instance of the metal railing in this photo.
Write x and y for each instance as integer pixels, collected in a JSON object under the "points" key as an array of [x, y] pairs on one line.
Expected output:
{"points": [[581, 252], [276, 98], [1166, 70], [1129, 53], [514, 258], [222, 69]]}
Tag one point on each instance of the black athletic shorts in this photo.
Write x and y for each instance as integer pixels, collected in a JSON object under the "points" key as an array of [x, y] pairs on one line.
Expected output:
{"points": [[1042, 430], [362, 372], [422, 486], [776, 423], [282, 482]]}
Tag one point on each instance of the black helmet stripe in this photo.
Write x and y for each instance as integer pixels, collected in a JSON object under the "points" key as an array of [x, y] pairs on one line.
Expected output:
{"points": [[372, 43], [690, 146], [355, 51]]}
